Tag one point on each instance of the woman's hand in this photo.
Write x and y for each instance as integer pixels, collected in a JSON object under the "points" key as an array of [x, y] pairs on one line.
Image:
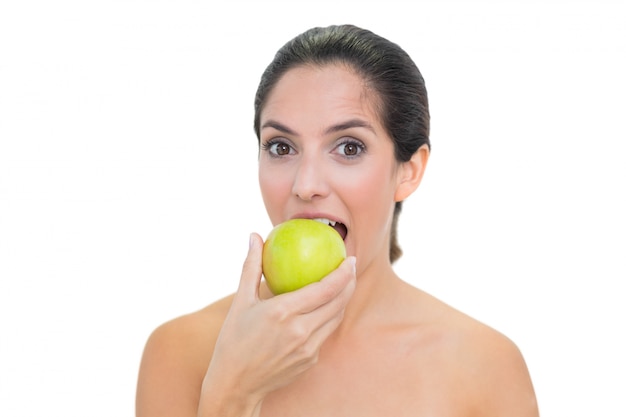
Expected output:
{"points": [[266, 344]]}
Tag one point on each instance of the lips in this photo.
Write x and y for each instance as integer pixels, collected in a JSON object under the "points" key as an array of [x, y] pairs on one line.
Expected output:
{"points": [[338, 226]]}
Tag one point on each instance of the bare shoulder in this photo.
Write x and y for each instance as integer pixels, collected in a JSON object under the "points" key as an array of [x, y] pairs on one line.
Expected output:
{"points": [[500, 375], [190, 335], [493, 367], [175, 359]]}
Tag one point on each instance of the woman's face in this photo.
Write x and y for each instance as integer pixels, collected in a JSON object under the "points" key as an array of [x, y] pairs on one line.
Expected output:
{"points": [[324, 154]]}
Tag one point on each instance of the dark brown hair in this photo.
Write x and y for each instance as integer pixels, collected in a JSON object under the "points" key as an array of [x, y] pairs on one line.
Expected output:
{"points": [[385, 67]]}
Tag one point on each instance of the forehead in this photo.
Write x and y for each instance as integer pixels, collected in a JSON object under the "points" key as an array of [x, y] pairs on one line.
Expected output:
{"points": [[321, 92]]}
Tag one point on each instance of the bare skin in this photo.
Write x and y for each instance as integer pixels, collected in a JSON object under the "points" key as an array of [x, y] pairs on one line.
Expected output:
{"points": [[362, 342], [411, 355]]}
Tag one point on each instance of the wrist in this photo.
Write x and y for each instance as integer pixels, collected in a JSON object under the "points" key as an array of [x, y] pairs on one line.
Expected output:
{"points": [[227, 400]]}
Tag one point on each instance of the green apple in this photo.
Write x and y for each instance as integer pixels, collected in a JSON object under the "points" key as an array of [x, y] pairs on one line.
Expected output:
{"points": [[299, 252]]}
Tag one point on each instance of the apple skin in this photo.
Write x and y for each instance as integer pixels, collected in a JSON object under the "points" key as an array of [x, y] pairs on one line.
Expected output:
{"points": [[299, 252]]}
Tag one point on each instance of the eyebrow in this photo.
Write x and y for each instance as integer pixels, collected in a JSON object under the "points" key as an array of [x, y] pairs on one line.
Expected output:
{"points": [[349, 124], [278, 126]]}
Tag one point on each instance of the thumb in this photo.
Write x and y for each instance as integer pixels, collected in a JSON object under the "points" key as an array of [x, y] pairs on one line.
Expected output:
{"points": [[252, 270]]}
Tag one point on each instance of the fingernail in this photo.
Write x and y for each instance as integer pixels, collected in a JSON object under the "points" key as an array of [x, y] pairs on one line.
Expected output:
{"points": [[251, 241]]}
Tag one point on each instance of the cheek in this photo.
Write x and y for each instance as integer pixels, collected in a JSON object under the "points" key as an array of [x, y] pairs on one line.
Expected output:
{"points": [[370, 196], [372, 207], [371, 186], [275, 189]]}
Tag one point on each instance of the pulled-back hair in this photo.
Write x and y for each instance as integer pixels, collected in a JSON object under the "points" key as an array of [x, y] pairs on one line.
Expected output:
{"points": [[385, 68]]}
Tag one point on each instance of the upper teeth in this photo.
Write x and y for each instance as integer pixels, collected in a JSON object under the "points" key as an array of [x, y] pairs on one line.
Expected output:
{"points": [[326, 221]]}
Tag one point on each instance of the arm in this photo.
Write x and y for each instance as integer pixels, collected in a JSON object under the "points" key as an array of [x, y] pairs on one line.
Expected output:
{"points": [[266, 344], [225, 367]]}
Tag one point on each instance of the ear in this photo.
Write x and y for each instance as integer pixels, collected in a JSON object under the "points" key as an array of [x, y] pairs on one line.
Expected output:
{"points": [[410, 173]]}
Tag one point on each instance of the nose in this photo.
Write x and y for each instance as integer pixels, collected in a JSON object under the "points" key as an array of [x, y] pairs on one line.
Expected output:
{"points": [[310, 180]]}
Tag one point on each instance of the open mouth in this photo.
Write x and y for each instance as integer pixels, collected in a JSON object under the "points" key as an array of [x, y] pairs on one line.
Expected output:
{"points": [[339, 227]]}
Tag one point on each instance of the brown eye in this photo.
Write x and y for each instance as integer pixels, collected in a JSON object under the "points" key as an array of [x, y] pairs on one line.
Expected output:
{"points": [[278, 148], [282, 149], [351, 149]]}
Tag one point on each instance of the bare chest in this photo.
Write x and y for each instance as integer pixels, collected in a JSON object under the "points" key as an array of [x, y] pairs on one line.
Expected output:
{"points": [[394, 382]]}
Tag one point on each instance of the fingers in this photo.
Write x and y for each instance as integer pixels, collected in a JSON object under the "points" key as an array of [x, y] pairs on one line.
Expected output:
{"points": [[325, 318], [319, 305], [315, 295], [312, 313], [268, 343], [252, 270]]}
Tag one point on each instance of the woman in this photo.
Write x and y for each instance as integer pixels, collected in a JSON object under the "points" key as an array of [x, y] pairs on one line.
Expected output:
{"points": [[342, 120]]}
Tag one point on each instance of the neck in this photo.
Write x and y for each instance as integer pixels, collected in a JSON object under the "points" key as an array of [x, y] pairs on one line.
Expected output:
{"points": [[376, 290]]}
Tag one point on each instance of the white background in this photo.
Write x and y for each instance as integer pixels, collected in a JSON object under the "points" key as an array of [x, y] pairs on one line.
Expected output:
{"points": [[128, 181]]}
